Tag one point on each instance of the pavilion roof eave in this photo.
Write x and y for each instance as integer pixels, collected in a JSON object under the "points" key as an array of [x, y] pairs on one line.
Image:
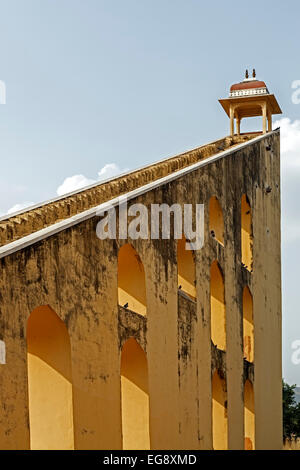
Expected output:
{"points": [[250, 101]]}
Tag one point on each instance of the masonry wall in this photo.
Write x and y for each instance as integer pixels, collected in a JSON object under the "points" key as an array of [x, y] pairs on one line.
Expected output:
{"points": [[76, 274]]}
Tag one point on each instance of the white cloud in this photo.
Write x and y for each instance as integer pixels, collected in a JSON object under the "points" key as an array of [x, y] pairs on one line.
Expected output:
{"points": [[290, 171], [290, 225], [72, 183], [19, 207], [290, 142], [109, 170]]}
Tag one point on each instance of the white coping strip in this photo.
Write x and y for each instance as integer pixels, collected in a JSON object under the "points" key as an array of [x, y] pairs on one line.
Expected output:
{"points": [[53, 229]]}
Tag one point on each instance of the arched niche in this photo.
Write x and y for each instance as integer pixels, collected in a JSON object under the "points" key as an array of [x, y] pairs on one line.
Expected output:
{"points": [[186, 269], [217, 305], [134, 397], [246, 233], [49, 381], [248, 327], [216, 221], [131, 280]]}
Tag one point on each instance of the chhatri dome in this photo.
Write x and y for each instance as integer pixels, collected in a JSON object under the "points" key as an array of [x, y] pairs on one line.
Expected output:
{"points": [[249, 86], [250, 98]]}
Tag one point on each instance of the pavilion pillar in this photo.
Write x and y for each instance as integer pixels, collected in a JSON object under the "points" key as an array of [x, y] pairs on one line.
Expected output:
{"points": [[264, 116], [269, 121], [231, 120], [238, 125]]}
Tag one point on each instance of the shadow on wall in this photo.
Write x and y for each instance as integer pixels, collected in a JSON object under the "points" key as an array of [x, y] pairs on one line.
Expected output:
{"points": [[186, 269], [216, 222], [131, 280]]}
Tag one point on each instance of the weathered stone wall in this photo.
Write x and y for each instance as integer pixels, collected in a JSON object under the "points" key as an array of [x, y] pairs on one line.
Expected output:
{"points": [[132, 325], [188, 415], [76, 274]]}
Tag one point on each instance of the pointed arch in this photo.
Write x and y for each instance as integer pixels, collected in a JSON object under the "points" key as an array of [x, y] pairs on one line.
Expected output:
{"points": [[249, 416], [217, 306], [131, 280], [246, 233], [186, 269], [219, 413], [216, 221], [134, 397], [49, 381], [248, 327]]}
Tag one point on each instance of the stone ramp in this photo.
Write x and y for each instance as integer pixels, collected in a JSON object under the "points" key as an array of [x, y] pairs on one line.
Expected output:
{"points": [[18, 225]]}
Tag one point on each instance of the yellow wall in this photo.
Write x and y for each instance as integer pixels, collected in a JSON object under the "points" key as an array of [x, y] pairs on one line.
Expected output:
{"points": [[266, 289], [135, 397], [49, 381], [77, 274]]}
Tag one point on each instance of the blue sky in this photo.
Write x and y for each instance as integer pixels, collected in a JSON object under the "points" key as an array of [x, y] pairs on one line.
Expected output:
{"points": [[124, 83]]}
